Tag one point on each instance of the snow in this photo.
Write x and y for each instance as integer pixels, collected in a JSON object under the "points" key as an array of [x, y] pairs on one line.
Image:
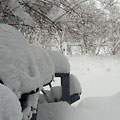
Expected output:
{"points": [[18, 69], [98, 75], [75, 86], [10, 108], [16, 57], [100, 108], [95, 108], [56, 13], [44, 63], [60, 62], [19, 11], [55, 94], [100, 100], [55, 111]]}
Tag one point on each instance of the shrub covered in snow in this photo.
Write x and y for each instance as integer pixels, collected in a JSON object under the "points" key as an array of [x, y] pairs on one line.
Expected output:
{"points": [[10, 108], [18, 69], [44, 63]]}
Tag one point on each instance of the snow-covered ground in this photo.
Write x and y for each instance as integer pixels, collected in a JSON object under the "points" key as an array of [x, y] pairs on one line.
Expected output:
{"points": [[98, 75], [100, 100]]}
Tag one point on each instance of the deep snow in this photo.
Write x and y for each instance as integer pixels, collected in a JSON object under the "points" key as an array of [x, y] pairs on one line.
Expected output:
{"points": [[18, 69], [10, 108], [99, 77]]}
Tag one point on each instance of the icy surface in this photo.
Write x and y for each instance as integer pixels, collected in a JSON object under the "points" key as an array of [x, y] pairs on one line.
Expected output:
{"points": [[44, 63], [10, 108], [60, 62]]}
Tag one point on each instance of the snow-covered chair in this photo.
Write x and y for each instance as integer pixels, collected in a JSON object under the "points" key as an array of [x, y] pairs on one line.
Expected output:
{"points": [[18, 69], [71, 89]]}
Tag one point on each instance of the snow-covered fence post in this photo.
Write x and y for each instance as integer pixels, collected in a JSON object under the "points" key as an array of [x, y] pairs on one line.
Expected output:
{"points": [[65, 83]]}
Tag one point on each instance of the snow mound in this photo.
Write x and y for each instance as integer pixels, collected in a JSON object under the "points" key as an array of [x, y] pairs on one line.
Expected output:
{"points": [[10, 108], [53, 95], [18, 69], [95, 108], [44, 63], [75, 86], [55, 111], [60, 62]]}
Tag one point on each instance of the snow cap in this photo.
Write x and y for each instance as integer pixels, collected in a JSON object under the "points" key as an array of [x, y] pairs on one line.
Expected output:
{"points": [[60, 62]]}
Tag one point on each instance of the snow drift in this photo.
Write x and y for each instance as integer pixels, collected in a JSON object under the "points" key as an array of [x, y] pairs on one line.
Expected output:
{"points": [[94, 108]]}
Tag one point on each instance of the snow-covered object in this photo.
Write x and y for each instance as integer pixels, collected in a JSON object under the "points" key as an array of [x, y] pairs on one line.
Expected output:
{"points": [[19, 11], [99, 76], [60, 62], [18, 69], [53, 95], [10, 108], [44, 63], [75, 86]]}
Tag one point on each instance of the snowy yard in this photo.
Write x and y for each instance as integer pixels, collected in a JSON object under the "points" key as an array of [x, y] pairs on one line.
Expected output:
{"points": [[100, 100], [37, 80], [98, 75]]}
